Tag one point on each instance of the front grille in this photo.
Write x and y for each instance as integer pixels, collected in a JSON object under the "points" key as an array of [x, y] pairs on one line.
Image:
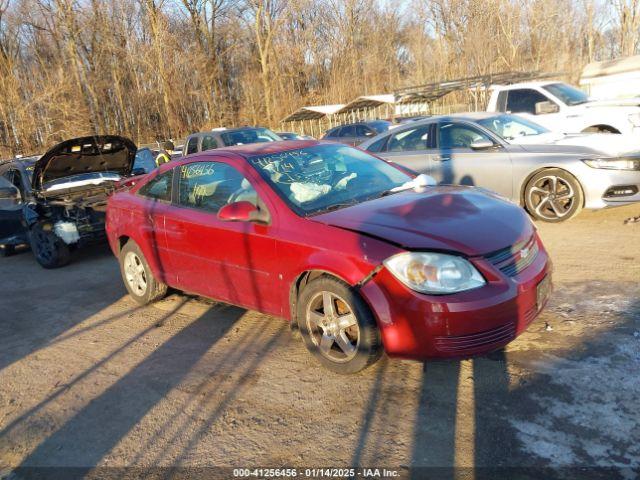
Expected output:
{"points": [[501, 334], [513, 260]]}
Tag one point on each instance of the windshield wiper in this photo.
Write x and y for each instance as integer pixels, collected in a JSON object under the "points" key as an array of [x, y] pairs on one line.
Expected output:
{"points": [[335, 206]]}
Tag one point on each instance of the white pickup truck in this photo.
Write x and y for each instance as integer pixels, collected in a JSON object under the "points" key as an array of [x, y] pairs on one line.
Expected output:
{"points": [[563, 108]]}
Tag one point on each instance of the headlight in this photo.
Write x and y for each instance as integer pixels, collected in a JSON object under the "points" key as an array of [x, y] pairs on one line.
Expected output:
{"points": [[634, 118], [435, 273], [613, 163]]}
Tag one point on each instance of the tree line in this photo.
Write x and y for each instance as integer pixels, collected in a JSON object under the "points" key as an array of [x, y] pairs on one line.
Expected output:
{"points": [[155, 69]]}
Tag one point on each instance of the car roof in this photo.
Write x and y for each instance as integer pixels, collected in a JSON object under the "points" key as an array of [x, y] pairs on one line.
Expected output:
{"points": [[513, 86]]}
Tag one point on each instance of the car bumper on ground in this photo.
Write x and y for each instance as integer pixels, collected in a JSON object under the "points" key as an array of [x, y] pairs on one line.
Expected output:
{"points": [[418, 326]]}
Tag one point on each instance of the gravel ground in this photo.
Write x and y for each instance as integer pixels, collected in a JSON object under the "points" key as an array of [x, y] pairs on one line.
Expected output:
{"points": [[88, 378]]}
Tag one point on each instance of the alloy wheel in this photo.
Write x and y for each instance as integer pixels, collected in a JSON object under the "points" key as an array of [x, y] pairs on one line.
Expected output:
{"points": [[135, 274], [552, 197], [333, 327]]}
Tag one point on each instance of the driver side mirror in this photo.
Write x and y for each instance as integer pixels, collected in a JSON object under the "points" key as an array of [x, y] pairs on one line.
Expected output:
{"points": [[482, 145], [243, 212], [543, 108]]}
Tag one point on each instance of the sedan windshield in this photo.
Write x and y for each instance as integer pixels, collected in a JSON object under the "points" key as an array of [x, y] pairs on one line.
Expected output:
{"points": [[510, 127], [568, 94], [246, 136], [326, 177]]}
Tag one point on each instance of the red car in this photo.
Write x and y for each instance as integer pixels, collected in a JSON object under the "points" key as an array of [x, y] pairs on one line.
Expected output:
{"points": [[347, 247]]}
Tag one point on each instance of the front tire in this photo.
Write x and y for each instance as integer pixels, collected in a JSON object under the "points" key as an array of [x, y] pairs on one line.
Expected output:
{"points": [[49, 249], [553, 195], [337, 326], [137, 276]]}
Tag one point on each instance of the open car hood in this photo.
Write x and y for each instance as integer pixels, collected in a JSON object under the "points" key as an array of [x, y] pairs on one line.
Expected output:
{"points": [[101, 153], [466, 220]]}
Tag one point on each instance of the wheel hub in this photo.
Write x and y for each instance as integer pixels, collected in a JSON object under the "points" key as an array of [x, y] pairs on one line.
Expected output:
{"points": [[333, 327]]}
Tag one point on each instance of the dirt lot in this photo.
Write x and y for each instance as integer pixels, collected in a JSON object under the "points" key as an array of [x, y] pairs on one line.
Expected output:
{"points": [[89, 378]]}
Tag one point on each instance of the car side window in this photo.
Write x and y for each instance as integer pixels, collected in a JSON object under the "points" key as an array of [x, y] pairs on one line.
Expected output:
{"points": [[158, 188], [363, 131], [192, 145], [524, 100], [459, 135], [348, 131], [411, 139], [212, 185], [378, 145], [16, 180], [209, 143]]}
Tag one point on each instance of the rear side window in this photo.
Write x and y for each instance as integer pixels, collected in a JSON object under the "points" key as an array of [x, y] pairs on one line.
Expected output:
{"points": [[524, 100], [159, 188], [378, 145], [363, 131], [209, 143], [212, 185], [192, 145], [411, 139], [334, 133]]}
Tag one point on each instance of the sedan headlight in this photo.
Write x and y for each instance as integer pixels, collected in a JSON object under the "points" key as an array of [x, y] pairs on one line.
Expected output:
{"points": [[634, 118], [613, 163], [434, 273]]}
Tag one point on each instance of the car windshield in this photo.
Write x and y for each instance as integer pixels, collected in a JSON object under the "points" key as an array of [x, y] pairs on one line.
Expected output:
{"points": [[568, 94], [510, 127], [326, 177], [249, 135]]}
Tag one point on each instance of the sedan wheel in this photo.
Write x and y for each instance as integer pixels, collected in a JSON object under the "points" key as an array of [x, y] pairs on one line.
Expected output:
{"points": [[553, 196], [135, 274], [337, 326], [138, 277], [333, 327]]}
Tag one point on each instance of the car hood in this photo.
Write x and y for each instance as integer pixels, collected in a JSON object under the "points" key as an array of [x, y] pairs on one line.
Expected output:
{"points": [[103, 153], [465, 220], [582, 143], [612, 102]]}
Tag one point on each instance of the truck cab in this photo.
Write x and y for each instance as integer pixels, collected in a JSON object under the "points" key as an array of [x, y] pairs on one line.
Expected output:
{"points": [[563, 108]]}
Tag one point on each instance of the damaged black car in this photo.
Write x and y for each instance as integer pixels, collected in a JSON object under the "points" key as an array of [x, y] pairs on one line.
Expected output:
{"points": [[57, 203]]}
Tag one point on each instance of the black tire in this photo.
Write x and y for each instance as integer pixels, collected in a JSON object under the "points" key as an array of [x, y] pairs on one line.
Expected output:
{"points": [[49, 249], [365, 342], [553, 195], [7, 250], [145, 289]]}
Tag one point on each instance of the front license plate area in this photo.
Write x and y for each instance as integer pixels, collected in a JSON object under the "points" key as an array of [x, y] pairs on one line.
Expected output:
{"points": [[543, 289]]}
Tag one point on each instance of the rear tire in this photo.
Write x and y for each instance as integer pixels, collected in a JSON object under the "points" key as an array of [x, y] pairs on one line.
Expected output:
{"points": [[143, 287], [49, 249], [337, 326], [553, 195]]}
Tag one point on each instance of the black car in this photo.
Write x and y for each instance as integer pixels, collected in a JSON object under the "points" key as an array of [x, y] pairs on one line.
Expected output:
{"points": [[356, 133], [57, 202], [227, 137]]}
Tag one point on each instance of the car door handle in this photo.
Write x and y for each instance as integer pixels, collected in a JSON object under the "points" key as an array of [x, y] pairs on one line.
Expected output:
{"points": [[443, 158]]}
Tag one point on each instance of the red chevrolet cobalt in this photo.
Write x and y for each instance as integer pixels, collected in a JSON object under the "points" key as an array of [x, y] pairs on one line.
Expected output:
{"points": [[357, 253]]}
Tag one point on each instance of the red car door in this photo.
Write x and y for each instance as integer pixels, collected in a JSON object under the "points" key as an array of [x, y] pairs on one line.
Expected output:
{"points": [[228, 261], [154, 201]]}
